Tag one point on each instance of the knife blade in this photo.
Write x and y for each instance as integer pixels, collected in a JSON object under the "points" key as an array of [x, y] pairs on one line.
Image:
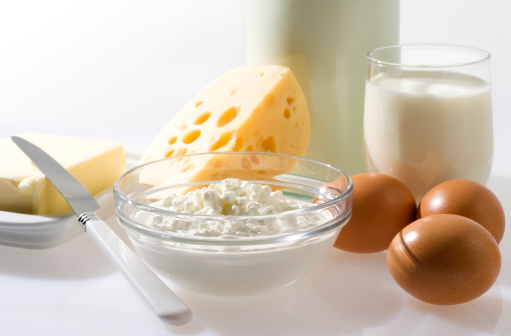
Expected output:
{"points": [[76, 195], [167, 305]]}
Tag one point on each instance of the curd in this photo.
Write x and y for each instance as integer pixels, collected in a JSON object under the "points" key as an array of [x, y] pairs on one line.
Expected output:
{"points": [[233, 197]]}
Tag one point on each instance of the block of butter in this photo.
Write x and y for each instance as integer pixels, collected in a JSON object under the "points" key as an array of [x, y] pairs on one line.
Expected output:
{"points": [[255, 108], [24, 189]]}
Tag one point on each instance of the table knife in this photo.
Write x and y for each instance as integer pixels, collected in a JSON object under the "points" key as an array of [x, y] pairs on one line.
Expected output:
{"points": [[167, 305]]}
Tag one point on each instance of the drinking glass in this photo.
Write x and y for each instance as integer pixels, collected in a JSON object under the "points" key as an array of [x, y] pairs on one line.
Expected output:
{"points": [[428, 114]]}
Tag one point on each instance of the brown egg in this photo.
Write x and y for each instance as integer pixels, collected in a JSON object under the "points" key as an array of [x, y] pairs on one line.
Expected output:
{"points": [[382, 206], [444, 259], [465, 198]]}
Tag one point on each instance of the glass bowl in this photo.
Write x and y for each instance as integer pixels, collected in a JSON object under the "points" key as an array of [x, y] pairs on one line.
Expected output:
{"points": [[234, 264]]}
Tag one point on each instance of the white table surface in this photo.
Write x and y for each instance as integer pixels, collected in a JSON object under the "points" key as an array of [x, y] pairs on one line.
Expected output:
{"points": [[118, 70]]}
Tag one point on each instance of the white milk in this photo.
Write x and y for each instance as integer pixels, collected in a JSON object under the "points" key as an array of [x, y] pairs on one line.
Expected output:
{"points": [[428, 127], [325, 44]]}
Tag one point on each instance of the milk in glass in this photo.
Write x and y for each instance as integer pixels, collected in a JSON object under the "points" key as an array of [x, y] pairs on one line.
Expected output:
{"points": [[426, 127]]}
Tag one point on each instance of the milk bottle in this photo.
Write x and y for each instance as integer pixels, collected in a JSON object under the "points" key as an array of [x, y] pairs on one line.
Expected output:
{"points": [[324, 42]]}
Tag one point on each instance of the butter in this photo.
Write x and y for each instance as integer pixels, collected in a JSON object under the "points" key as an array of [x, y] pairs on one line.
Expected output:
{"points": [[24, 189]]}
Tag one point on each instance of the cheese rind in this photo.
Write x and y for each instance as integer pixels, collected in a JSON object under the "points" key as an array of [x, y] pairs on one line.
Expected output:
{"points": [[255, 108], [24, 189]]}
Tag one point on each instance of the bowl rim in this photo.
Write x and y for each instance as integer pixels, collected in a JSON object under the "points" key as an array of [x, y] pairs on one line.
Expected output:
{"points": [[126, 222]]}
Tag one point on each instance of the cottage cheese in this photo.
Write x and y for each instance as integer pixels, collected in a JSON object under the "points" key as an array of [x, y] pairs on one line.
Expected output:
{"points": [[232, 197], [227, 263]]}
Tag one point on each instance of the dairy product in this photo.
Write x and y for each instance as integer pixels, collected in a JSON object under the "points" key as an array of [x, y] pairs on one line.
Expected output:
{"points": [[235, 270], [427, 127], [233, 197], [222, 258], [325, 44], [23, 188], [223, 262], [251, 108]]}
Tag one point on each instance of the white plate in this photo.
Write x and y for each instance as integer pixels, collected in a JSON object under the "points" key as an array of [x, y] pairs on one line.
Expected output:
{"points": [[41, 232]]}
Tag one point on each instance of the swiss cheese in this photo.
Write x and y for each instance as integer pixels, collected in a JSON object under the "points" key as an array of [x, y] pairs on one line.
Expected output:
{"points": [[255, 108], [23, 188]]}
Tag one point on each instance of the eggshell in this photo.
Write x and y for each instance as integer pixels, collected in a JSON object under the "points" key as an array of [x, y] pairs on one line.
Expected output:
{"points": [[382, 206], [444, 259], [465, 198]]}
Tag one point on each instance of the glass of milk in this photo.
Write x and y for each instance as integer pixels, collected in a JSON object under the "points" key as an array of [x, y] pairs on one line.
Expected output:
{"points": [[428, 114]]}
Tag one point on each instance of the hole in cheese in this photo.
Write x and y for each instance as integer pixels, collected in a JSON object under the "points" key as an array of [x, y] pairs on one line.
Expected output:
{"points": [[169, 153], [290, 100], [181, 151], [199, 103], [269, 145], [217, 163], [238, 145], [191, 136], [227, 116], [233, 92], [221, 142], [172, 140], [202, 118], [187, 167], [287, 114], [245, 163], [268, 101]]}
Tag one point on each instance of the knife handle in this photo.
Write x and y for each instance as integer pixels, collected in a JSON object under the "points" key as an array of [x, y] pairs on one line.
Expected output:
{"points": [[167, 305]]}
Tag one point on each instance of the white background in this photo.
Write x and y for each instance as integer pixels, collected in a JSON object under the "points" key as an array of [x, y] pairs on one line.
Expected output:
{"points": [[119, 70]]}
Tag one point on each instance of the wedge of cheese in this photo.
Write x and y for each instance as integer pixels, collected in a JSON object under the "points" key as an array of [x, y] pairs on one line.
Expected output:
{"points": [[23, 188], [255, 108]]}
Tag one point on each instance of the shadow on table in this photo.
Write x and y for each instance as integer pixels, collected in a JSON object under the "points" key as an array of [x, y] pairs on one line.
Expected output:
{"points": [[76, 258], [293, 310]]}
